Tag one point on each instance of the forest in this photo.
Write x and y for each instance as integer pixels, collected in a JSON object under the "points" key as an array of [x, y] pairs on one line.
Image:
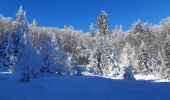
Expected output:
{"points": [[34, 51]]}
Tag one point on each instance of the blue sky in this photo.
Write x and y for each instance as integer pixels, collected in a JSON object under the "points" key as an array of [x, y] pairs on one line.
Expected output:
{"points": [[80, 13]]}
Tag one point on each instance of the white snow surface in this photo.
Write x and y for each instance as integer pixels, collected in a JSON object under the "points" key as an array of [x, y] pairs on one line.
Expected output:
{"points": [[82, 88]]}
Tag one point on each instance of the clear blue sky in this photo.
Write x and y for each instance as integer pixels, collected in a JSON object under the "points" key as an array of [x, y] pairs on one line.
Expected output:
{"points": [[80, 13]]}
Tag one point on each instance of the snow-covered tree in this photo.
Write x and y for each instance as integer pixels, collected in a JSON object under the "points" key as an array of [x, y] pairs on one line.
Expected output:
{"points": [[102, 58], [92, 29], [125, 60], [136, 34], [111, 67], [137, 27], [34, 22], [157, 64], [73, 67], [128, 57], [117, 30], [94, 62], [102, 22], [22, 29], [53, 58], [29, 62], [166, 69], [6, 51], [144, 60], [99, 50], [23, 50]]}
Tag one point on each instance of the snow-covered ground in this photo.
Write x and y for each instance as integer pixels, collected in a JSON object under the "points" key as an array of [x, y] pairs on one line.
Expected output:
{"points": [[81, 88]]}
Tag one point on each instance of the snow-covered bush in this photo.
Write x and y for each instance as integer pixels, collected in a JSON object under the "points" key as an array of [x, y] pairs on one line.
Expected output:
{"points": [[128, 73]]}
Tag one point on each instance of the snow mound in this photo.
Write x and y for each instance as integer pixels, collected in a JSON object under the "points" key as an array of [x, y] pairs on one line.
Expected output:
{"points": [[150, 77]]}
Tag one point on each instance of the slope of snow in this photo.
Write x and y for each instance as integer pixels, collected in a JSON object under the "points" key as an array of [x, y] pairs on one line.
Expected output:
{"points": [[81, 88], [150, 77], [139, 77]]}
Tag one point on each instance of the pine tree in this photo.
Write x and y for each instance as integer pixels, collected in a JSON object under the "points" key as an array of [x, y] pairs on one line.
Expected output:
{"points": [[54, 60], [111, 67], [95, 59], [128, 57], [102, 22], [144, 60], [6, 52], [48, 54], [117, 30], [102, 59], [137, 27], [94, 62], [34, 22], [125, 56], [91, 33], [28, 62], [166, 69], [157, 64], [23, 51], [22, 29]]}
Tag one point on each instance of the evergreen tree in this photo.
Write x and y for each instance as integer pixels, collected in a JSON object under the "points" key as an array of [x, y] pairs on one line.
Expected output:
{"points": [[6, 52], [22, 29], [137, 27], [48, 55], [91, 33], [102, 58], [144, 60], [125, 56], [128, 57], [102, 22], [94, 62], [29, 62], [157, 64], [111, 67], [166, 69], [54, 60], [34, 23], [23, 51]]}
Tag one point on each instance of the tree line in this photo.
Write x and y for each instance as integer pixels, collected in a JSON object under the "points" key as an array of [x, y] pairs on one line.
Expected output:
{"points": [[34, 51]]}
